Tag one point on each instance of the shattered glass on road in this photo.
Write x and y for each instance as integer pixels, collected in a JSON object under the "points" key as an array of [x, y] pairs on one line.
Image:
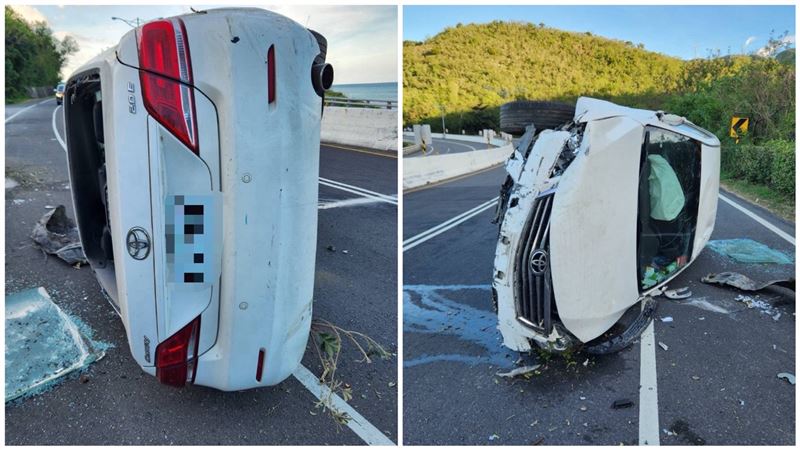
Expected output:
{"points": [[43, 344]]}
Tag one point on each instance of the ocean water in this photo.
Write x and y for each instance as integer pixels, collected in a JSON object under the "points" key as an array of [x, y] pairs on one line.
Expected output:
{"points": [[368, 91]]}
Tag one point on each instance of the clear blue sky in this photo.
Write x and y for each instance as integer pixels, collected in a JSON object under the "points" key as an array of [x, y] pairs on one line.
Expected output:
{"points": [[682, 31]]}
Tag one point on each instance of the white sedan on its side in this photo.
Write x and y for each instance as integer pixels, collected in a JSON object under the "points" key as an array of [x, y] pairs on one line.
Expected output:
{"points": [[597, 215], [193, 150]]}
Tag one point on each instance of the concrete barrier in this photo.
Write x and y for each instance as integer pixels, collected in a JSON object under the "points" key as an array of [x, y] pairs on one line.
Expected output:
{"points": [[360, 127], [437, 168], [497, 142], [411, 149]]}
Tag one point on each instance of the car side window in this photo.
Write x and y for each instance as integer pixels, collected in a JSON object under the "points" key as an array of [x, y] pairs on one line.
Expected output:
{"points": [[669, 192]]}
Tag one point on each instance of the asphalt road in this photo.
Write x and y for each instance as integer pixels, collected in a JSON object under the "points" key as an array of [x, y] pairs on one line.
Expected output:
{"points": [[716, 383], [445, 146], [121, 404]]}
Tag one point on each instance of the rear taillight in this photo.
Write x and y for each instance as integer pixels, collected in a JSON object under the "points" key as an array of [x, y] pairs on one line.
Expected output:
{"points": [[166, 77], [176, 358], [271, 74]]}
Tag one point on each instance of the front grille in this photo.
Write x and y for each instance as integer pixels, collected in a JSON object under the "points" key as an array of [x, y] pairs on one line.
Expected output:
{"points": [[533, 281]]}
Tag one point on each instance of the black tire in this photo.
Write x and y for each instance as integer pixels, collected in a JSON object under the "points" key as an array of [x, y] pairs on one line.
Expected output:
{"points": [[323, 43], [515, 116]]}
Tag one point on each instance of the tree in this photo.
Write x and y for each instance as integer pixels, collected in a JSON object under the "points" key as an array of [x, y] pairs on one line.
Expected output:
{"points": [[34, 57]]}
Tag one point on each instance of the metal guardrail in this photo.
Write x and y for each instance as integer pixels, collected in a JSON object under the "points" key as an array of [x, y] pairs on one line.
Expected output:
{"points": [[360, 103]]}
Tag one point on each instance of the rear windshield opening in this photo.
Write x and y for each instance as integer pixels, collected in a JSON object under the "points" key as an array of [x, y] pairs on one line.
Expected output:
{"points": [[669, 192], [83, 118]]}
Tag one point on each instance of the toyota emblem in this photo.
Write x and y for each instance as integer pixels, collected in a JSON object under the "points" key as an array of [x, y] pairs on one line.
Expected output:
{"points": [[538, 262], [138, 243]]}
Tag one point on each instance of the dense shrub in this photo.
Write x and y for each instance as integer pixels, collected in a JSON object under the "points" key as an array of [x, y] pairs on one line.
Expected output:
{"points": [[770, 163], [783, 166]]}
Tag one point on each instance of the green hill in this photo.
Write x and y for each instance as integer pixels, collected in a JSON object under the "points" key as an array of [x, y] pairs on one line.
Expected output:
{"points": [[469, 70]]}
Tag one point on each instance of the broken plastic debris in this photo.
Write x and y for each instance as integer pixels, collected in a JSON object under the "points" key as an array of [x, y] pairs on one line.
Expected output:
{"points": [[666, 319], [622, 403], [43, 344], [744, 283], [493, 437], [678, 294], [56, 234], [786, 376], [519, 371], [749, 251]]}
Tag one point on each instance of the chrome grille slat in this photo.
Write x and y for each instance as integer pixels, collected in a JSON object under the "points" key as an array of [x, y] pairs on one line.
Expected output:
{"points": [[534, 291]]}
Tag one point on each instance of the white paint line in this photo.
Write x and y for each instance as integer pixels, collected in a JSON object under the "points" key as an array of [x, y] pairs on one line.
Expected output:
{"points": [[347, 202], [353, 190], [648, 389], [431, 233], [758, 219], [389, 198], [360, 426], [26, 108], [55, 129]]}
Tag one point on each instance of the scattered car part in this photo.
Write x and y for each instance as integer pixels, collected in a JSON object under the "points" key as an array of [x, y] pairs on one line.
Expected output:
{"points": [[622, 403], [517, 115], [589, 229], [678, 294], [787, 376], [744, 283], [175, 134], [57, 234], [519, 371]]}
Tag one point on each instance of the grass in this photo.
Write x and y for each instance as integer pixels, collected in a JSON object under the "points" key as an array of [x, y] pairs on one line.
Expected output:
{"points": [[780, 204]]}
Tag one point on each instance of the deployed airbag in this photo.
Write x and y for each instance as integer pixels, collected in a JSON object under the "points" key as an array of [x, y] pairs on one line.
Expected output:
{"points": [[666, 194]]}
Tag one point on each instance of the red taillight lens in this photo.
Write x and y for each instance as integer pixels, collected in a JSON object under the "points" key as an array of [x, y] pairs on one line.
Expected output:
{"points": [[271, 74], [260, 366], [166, 78], [176, 358]]}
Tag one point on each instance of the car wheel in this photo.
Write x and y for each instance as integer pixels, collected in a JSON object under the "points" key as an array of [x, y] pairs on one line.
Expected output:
{"points": [[627, 330], [515, 116], [322, 42]]}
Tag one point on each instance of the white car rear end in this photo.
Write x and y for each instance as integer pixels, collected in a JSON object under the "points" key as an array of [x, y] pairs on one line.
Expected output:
{"points": [[194, 159]]}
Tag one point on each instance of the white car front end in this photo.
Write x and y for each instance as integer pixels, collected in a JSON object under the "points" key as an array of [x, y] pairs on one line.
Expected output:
{"points": [[575, 233], [208, 146]]}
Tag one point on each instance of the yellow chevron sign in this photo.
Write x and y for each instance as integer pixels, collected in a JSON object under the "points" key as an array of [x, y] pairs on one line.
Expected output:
{"points": [[739, 126]]}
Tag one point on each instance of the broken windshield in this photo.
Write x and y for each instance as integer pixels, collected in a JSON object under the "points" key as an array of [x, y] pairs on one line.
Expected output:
{"points": [[669, 188]]}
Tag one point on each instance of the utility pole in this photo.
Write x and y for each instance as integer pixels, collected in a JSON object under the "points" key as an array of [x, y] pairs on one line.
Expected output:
{"points": [[443, 128], [128, 22]]}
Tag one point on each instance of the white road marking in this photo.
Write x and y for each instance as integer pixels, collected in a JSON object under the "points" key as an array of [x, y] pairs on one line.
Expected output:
{"points": [[358, 191], [360, 426], [346, 202], [648, 389], [27, 108], [431, 233], [55, 129], [758, 219]]}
